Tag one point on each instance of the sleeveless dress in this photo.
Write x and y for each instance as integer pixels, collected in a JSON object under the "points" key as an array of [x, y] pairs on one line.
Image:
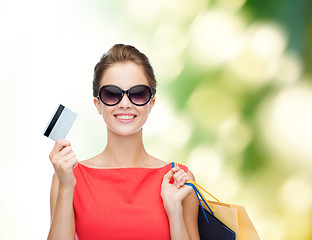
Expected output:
{"points": [[120, 204]]}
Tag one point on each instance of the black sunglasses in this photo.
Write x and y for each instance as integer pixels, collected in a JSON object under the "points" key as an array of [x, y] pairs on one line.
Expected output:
{"points": [[111, 95]]}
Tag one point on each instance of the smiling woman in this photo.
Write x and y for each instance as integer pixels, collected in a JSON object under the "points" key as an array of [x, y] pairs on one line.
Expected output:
{"points": [[123, 192], [132, 108]]}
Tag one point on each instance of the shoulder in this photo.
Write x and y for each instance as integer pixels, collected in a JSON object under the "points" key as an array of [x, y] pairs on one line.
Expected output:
{"points": [[156, 163], [191, 174], [86, 162], [91, 162]]}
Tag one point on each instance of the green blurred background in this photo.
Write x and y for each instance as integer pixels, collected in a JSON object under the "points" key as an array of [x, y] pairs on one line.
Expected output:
{"points": [[234, 99]]}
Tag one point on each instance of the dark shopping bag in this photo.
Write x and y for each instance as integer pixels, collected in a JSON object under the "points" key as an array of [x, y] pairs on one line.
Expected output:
{"points": [[215, 229]]}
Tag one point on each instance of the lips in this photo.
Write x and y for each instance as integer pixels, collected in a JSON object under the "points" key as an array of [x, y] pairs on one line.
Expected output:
{"points": [[125, 117]]}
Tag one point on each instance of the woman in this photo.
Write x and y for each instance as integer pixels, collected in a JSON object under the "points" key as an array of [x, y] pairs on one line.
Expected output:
{"points": [[122, 193]]}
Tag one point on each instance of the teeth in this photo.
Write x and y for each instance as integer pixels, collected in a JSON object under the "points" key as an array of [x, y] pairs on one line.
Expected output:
{"points": [[125, 117]]}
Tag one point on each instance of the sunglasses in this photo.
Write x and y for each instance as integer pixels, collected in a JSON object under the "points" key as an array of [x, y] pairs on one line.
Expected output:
{"points": [[111, 95]]}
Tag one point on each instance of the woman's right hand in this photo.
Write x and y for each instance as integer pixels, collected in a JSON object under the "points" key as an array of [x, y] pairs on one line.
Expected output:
{"points": [[64, 161]]}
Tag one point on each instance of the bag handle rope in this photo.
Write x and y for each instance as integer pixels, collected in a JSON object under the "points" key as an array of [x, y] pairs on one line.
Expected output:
{"points": [[199, 194]]}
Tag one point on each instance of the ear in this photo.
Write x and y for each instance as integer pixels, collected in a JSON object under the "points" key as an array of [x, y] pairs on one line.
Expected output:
{"points": [[151, 104], [97, 104]]}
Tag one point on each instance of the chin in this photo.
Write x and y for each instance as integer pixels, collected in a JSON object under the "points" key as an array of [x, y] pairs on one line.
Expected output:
{"points": [[125, 132]]}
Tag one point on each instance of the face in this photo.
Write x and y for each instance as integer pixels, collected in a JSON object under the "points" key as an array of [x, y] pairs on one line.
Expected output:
{"points": [[124, 118]]}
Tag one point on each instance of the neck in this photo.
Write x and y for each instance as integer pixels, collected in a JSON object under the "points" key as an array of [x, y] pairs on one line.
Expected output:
{"points": [[124, 151]]}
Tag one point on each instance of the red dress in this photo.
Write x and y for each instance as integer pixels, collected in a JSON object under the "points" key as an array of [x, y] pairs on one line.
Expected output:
{"points": [[120, 204]]}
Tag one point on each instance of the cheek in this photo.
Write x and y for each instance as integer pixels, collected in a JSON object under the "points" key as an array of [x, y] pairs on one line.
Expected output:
{"points": [[106, 113], [144, 113], [143, 110]]}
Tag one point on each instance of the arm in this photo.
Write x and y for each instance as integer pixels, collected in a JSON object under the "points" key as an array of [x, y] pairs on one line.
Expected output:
{"points": [[190, 212], [62, 212], [62, 190], [181, 205]]}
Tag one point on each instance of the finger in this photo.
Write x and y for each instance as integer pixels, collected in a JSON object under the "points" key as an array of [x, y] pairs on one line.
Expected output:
{"points": [[175, 169], [71, 163], [76, 164], [184, 179], [179, 176], [168, 176], [59, 160], [68, 156], [66, 150], [60, 144], [62, 155]]}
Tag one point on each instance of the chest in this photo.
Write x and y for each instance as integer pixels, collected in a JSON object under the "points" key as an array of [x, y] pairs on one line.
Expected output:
{"points": [[120, 207]]}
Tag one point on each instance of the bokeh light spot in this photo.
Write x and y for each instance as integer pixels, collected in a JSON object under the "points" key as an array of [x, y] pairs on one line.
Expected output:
{"points": [[144, 10], [290, 69], [213, 35], [210, 106], [178, 132], [285, 124], [296, 195], [206, 163], [234, 135], [235, 4], [167, 58], [257, 59]]}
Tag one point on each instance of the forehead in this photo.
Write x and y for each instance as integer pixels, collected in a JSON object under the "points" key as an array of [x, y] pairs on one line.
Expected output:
{"points": [[124, 75]]}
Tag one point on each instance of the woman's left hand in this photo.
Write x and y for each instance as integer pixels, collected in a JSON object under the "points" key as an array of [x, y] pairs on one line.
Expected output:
{"points": [[174, 194]]}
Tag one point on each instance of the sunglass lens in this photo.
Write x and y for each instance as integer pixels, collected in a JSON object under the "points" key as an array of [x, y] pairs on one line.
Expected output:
{"points": [[140, 95], [110, 95]]}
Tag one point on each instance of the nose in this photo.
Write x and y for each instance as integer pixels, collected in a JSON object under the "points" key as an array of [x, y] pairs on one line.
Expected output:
{"points": [[125, 102]]}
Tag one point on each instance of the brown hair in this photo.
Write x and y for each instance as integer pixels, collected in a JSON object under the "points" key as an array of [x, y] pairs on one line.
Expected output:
{"points": [[120, 53]]}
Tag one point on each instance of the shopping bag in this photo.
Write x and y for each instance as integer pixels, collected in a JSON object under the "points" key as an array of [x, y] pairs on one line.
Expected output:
{"points": [[236, 218], [214, 229], [229, 221], [209, 226], [233, 216]]}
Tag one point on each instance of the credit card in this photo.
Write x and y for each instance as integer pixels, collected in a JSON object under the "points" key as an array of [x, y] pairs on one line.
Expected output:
{"points": [[60, 123]]}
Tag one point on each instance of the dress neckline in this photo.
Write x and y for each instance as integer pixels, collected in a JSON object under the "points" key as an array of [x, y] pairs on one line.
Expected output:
{"points": [[127, 168]]}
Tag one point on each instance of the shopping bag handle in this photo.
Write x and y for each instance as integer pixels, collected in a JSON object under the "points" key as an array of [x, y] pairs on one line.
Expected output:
{"points": [[199, 194], [198, 186]]}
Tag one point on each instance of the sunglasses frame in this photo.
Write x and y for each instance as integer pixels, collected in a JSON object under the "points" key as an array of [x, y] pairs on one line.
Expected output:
{"points": [[123, 92]]}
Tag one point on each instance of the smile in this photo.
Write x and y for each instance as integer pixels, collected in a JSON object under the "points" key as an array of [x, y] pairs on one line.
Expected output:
{"points": [[125, 117]]}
